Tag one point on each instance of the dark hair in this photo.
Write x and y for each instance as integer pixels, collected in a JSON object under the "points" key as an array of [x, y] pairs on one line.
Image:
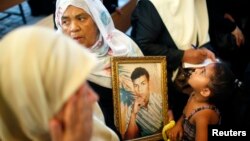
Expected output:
{"points": [[230, 97], [138, 72], [222, 89], [222, 80]]}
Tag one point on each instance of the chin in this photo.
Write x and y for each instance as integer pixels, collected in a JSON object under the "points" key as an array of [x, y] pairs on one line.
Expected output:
{"points": [[189, 82], [83, 44], [80, 42]]}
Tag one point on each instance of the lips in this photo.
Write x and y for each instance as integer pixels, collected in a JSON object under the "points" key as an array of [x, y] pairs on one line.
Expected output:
{"points": [[77, 38]]}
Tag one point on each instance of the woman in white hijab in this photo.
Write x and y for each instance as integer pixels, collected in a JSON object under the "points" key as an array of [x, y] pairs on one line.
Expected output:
{"points": [[90, 24], [43, 90]]}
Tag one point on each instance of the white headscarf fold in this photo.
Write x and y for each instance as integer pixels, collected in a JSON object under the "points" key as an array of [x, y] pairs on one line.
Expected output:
{"points": [[39, 71], [115, 43], [185, 20]]}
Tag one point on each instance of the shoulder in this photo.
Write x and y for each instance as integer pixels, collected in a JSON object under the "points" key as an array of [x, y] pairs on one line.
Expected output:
{"points": [[156, 95], [207, 116], [147, 3], [145, 6]]}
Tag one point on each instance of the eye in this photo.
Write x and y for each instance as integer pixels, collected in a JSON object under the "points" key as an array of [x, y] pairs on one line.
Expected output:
{"points": [[65, 22], [143, 83], [135, 85], [82, 18]]}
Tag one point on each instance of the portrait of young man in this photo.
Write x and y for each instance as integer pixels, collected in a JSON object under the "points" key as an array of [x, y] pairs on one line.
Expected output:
{"points": [[144, 115]]}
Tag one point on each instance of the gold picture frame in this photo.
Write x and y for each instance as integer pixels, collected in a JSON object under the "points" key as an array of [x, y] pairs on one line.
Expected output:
{"points": [[145, 92]]}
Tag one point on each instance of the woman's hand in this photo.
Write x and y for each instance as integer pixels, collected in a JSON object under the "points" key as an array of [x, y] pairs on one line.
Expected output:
{"points": [[197, 56], [69, 125], [239, 37], [237, 33], [74, 122], [210, 54], [194, 56]]}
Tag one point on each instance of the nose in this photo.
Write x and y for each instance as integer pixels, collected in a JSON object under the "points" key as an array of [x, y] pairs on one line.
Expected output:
{"points": [[74, 27], [140, 89], [137, 88]]}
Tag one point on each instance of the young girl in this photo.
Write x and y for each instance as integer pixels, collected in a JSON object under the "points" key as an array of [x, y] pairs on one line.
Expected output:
{"points": [[211, 85]]}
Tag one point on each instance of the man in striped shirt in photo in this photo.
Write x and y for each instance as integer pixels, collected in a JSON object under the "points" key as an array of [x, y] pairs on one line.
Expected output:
{"points": [[144, 116]]}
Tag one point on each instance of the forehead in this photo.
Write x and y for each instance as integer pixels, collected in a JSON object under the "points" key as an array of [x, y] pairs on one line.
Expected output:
{"points": [[73, 10], [140, 79]]}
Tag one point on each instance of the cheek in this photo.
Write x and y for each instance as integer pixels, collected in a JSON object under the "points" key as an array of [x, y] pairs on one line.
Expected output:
{"points": [[92, 29], [197, 83], [190, 81], [65, 31], [145, 88], [91, 36]]}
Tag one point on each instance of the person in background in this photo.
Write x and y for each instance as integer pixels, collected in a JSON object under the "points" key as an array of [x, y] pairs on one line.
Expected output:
{"points": [[229, 31], [212, 85], [111, 5], [245, 109], [228, 21], [145, 114], [44, 95], [89, 23], [177, 29], [41, 7]]}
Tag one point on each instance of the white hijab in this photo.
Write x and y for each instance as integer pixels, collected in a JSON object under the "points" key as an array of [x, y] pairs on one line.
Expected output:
{"points": [[39, 71], [184, 19], [115, 42]]}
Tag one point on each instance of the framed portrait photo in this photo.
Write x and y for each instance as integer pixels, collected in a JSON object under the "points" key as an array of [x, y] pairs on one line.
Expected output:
{"points": [[140, 96]]}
